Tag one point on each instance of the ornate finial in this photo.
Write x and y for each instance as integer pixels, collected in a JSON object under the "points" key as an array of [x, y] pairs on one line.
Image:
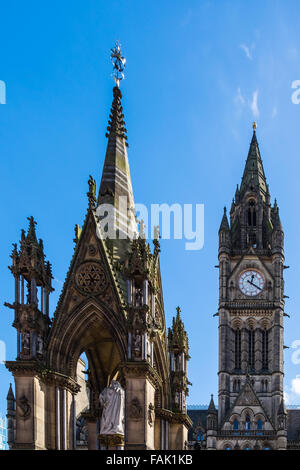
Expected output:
{"points": [[156, 232], [31, 235], [254, 125], [118, 63], [31, 219], [156, 240], [49, 269], [116, 123], [77, 231], [142, 229], [92, 192]]}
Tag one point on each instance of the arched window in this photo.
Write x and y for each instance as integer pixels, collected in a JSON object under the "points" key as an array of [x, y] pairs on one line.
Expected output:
{"points": [[237, 349], [251, 348], [251, 214], [248, 423], [259, 424], [236, 385], [235, 425], [265, 349], [264, 385]]}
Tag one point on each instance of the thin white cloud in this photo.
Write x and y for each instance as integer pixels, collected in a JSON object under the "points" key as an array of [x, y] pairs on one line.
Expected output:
{"points": [[292, 392], [254, 104], [239, 99], [247, 50], [274, 112], [187, 18], [286, 398], [296, 385]]}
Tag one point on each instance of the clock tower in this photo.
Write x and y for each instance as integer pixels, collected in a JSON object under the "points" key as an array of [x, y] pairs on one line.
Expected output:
{"points": [[251, 411]]}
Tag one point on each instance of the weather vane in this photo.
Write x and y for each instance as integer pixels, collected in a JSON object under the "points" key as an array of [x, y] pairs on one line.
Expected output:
{"points": [[118, 63]]}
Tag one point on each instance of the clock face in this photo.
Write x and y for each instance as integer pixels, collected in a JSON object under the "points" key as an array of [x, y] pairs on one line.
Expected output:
{"points": [[251, 282]]}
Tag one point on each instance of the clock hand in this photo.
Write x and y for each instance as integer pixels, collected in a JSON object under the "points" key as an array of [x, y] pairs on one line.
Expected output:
{"points": [[257, 287]]}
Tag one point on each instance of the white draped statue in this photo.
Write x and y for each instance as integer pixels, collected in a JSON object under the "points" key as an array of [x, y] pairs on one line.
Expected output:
{"points": [[112, 400]]}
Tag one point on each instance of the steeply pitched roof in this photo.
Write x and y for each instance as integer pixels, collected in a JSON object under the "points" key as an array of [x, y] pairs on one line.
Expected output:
{"points": [[116, 180], [224, 222], [254, 175], [247, 397], [211, 407]]}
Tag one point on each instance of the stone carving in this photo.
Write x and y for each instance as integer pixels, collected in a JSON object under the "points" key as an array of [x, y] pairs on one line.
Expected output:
{"points": [[113, 440], [151, 415], [177, 398], [26, 340], [24, 409], [138, 297], [247, 397], [39, 344], [92, 192], [91, 278], [281, 422], [137, 346], [28, 295], [148, 349], [112, 400], [135, 410], [183, 402], [92, 249]]}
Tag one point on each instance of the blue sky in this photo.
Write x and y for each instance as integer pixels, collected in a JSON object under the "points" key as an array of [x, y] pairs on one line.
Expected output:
{"points": [[198, 73]]}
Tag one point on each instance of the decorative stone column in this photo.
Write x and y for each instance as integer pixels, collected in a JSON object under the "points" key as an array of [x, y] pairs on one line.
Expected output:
{"points": [[141, 380], [91, 421]]}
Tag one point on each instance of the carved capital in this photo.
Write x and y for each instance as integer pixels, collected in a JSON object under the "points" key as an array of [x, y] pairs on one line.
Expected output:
{"points": [[113, 440], [141, 369]]}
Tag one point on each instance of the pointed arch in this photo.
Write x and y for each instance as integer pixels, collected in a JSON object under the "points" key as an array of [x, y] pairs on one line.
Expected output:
{"points": [[90, 327]]}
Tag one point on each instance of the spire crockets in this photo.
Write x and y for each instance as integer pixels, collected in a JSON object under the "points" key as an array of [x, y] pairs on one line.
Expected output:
{"points": [[254, 175], [177, 336], [178, 352], [224, 222], [212, 407], [115, 187]]}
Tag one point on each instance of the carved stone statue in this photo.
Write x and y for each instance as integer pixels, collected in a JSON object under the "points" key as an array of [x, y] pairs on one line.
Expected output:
{"points": [[151, 414], [39, 344], [137, 343], [138, 297], [26, 340], [23, 407], [112, 399], [177, 398], [28, 295]]}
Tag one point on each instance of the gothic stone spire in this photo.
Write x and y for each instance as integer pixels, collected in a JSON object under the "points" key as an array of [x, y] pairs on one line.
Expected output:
{"points": [[177, 336], [116, 187], [254, 175]]}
